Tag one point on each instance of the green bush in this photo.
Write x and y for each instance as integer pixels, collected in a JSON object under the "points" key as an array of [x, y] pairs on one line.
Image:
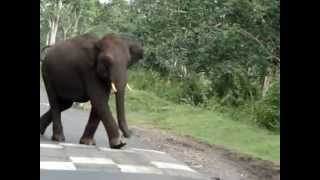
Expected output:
{"points": [[192, 90], [267, 110], [196, 90], [151, 81]]}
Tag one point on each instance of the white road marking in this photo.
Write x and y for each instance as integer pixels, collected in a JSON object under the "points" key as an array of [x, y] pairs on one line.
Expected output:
{"points": [[76, 145], [56, 165], [165, 165], [147, 150], [139, 169], [115, 150], [125, 168], [91, 160], [45, 104], [51, 146]]}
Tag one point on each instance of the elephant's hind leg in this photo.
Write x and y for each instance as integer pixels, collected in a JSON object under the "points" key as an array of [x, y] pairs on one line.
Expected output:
{"points": [[91, 127], [53, 114], [58, 134], [46, 118]]}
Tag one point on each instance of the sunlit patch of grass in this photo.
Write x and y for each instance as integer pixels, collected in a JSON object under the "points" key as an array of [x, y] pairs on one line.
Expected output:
{"points": [[208, 126]]}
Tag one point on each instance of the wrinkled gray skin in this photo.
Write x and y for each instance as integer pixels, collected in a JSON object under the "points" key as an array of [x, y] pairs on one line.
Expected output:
{"points": [[82, 69]]}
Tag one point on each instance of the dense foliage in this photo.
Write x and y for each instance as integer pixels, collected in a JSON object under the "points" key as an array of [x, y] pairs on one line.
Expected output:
{"points": [[202, 52]]}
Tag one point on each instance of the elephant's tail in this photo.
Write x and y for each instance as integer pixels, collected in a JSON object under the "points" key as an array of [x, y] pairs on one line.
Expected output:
{"points": [[41, 51]]}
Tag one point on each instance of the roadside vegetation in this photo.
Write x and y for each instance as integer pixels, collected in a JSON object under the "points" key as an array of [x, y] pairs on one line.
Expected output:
{"points": [[205, 125]]}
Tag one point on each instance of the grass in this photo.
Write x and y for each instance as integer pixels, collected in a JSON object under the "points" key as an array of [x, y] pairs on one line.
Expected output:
{"points": [[208, 126]]}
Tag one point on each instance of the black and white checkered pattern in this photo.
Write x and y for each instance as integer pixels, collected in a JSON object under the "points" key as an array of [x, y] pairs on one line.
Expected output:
{"points": [[76, 157]]}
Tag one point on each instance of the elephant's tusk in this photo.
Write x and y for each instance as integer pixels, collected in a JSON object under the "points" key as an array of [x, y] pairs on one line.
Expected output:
{"points": [[114, 89], [129, 87]]}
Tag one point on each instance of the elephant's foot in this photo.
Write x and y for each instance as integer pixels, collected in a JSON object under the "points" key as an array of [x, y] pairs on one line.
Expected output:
{"points": [[88, 141], [58, 137], [118, 146], [127, 133], [43, 127], [116, 143], [42, 130]]}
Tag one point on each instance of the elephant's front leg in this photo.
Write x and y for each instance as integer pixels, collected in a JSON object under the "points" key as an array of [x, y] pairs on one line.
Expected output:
{"points": [[99, 103], [91, 127], [112, 129], [110, 125]]}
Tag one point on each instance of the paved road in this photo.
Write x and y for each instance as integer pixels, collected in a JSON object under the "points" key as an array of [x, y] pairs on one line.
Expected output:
{"points": [[69, 160]]}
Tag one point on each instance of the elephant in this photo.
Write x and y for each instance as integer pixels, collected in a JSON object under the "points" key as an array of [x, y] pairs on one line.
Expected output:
{"points": [[86, 68]]}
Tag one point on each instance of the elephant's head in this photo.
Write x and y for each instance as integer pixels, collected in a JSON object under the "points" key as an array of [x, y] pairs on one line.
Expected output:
{"points": [[114, 56]]}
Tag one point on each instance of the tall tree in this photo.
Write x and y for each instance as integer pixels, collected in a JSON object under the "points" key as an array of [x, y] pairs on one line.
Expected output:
{"points": [[66, 18], [51, 12]]}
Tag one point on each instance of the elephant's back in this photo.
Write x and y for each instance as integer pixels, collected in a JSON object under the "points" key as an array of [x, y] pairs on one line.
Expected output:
{"points": [[77, 49], [65, 79], [64, 63], [64, 52]]}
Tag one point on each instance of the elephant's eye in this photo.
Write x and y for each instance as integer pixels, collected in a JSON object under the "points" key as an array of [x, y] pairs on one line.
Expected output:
{"points": [[107, 65], [108, 59], [104, 59], [108, 62]]}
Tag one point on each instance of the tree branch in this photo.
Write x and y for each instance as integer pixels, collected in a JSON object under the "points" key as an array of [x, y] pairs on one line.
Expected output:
{"points": [[246, 33]]}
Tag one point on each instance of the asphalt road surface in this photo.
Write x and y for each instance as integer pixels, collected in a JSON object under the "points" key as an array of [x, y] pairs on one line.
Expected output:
{"points": [[70, 160]]}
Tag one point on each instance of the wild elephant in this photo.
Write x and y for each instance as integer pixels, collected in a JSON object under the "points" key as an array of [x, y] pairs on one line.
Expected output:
{"points": [[86, 68]]}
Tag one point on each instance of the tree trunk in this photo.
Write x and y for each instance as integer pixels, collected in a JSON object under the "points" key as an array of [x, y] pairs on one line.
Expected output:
{"points": [[64, 33], [266, 83], [75, 27], [47, 38], [55, 24], [54, 30]]}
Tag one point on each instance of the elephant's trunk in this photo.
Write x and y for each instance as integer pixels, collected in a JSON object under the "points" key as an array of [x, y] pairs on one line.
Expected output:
{"points": [[120, 105], [118, 86]]}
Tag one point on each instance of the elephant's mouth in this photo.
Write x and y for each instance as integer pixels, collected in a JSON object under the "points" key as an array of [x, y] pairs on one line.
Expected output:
{"points": [[114, 89]]}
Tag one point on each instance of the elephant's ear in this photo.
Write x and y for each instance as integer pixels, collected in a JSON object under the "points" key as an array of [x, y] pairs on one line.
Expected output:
{"points": [[102, 63], [95, 50], [91, 50], [97, 46], [136, 52]]}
